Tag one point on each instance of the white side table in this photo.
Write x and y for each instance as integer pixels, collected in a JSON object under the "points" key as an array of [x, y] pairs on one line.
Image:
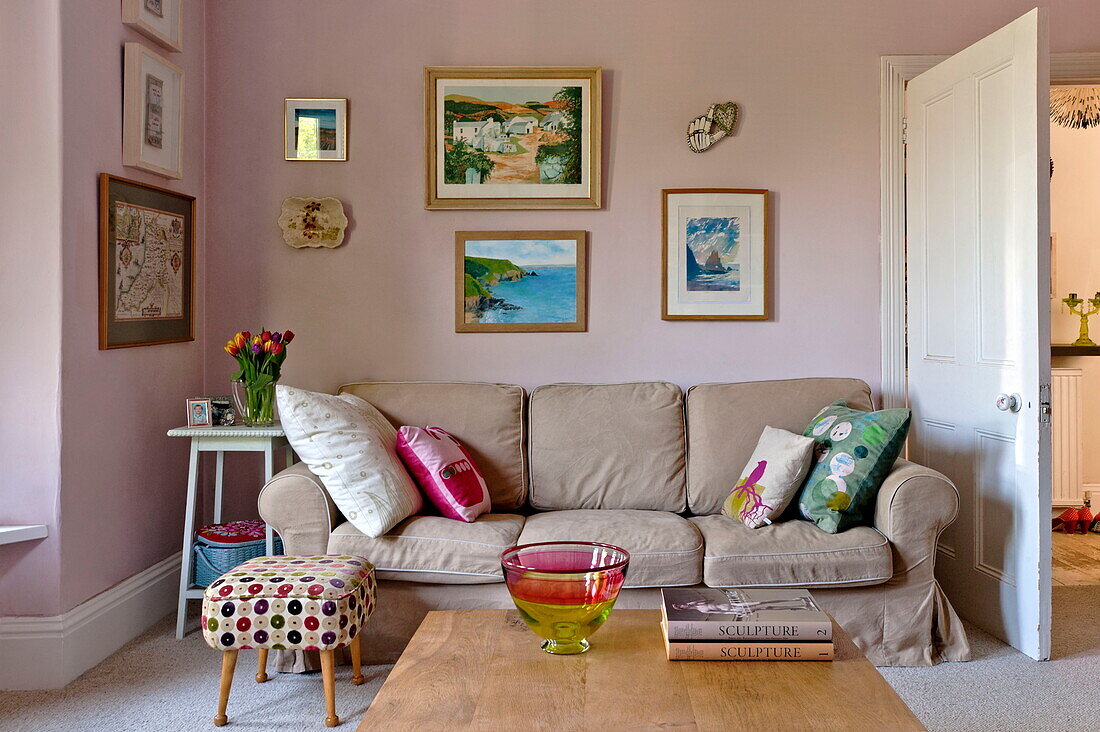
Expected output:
{"points": [[221, 440]]}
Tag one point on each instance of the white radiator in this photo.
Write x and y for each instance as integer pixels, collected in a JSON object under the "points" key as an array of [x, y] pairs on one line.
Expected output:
{"points": [[1065, 397]]}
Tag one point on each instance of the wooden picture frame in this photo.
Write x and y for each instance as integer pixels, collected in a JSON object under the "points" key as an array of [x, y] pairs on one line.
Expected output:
{"points": [[156, 228], [548, 282], [158, 20], [734, 280], [293, 109], [152, 118], [489, 146]]}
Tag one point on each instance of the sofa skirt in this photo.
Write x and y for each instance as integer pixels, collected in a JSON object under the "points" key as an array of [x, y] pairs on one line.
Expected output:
{"points": [[894, 623]]}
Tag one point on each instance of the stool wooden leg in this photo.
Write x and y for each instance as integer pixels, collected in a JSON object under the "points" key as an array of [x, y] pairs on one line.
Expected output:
{"points": [[261, 666], [229, 664], [328, 672], [356, 662]]}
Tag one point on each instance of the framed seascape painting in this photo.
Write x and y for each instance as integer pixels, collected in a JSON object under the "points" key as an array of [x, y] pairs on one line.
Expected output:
{"points": [[515, 281], [159, 20], [512, 137], [146, 264], [152, 122], [715, 254], [315, 129]]}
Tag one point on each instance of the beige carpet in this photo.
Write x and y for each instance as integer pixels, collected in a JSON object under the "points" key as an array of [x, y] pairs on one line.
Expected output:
{"points": [[158, 683]]}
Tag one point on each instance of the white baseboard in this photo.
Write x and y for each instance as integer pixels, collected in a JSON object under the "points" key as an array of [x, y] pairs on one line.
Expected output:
{"points": [[49, 652]]}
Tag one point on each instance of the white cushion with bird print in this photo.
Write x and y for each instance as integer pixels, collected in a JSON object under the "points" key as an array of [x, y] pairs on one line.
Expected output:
{"points": [[352, 448], [771, 478]]}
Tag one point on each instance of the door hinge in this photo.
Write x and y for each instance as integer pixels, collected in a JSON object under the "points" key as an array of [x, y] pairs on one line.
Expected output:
{"points": [[904, 130], [1044, 403]]}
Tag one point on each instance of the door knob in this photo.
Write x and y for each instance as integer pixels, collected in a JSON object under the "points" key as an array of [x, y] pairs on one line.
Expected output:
{"points": [[1008, 402]]}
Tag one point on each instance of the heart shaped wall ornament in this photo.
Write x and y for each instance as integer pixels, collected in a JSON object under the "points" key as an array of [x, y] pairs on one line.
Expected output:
{"points": [[707, 129]]}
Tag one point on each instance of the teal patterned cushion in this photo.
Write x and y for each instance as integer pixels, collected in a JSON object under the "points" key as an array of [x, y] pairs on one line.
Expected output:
{"points": [[856, 452]]}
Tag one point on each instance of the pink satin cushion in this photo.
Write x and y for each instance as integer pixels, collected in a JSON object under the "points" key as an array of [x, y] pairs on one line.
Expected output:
{"points": [[444, 471]]}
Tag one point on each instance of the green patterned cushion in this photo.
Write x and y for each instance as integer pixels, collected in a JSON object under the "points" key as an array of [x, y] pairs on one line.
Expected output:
{"points": [[857, 451]]}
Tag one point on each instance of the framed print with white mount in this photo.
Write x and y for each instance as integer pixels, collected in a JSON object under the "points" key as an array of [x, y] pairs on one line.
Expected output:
{"points": [[159, 20], [512, 137], [146, 264], [715, 254], [152, 120], [315, 129]]}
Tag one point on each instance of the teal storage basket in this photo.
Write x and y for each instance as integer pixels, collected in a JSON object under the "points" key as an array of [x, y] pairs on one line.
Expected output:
{"points": [[211, 562]]}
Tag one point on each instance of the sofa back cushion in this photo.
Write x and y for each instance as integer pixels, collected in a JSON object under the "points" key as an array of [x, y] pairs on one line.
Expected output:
{"points": [[616, 446], [488, 419], [724, 422]]}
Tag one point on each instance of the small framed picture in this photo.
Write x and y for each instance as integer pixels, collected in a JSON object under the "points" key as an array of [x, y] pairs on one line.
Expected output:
{"points": [[152, 124], [159, 20], [315, 129], [199, 413], [715, 255], [222, 414], [520, 281]]}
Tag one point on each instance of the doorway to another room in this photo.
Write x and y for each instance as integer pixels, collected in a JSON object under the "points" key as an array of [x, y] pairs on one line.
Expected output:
{"points": [[1075, 355]]}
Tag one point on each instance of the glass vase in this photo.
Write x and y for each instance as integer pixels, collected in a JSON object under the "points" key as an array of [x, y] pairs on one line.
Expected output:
{"points": [[255, 403]]}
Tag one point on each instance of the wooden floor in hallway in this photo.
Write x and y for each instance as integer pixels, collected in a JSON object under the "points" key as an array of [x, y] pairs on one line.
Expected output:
{"points": [[1076, 559]]}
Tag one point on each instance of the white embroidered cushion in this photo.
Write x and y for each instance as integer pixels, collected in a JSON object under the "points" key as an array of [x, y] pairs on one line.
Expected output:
{"points": [[351, 447]]}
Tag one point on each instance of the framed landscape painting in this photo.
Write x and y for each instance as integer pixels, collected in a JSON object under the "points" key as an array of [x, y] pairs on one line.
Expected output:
{"points": [[315, 129], [516, 281], [715, 254], [152, 119], [146, 264], [512, 137]]}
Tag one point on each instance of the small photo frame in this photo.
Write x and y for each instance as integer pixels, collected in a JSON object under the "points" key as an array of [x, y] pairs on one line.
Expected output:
{"points": [[315, 129], [158, 20], [152, 124], [200, 413], [520, 281], [715, 256]]}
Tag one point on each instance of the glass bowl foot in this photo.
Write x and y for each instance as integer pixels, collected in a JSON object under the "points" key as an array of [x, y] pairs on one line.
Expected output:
{"points": [[565, 648]]}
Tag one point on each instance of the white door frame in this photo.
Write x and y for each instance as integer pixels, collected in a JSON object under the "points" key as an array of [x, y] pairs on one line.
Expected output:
{"points": [[1065, 68]]}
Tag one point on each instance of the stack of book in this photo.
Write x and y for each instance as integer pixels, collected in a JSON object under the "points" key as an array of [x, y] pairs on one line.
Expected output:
{"points": [[744, 625]]}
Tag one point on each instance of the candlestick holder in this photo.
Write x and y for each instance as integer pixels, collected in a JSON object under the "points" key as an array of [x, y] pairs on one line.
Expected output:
{"points": [[1077, 306]]}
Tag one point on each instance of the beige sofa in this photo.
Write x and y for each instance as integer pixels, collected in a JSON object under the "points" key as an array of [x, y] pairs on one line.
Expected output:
{"points": [[646, 467]]}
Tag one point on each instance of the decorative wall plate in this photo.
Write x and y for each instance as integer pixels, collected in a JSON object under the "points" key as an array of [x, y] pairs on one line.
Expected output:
{"points": [[312, 222]]}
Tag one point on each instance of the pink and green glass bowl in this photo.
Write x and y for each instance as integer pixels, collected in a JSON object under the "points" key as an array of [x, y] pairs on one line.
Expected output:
{"points": [[564, 589]]}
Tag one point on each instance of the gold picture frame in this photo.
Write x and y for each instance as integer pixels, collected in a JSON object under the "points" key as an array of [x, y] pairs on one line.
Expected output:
{"points": [[319, 107], [734, 284], [545, 152], [542, 275], [145, 323]]}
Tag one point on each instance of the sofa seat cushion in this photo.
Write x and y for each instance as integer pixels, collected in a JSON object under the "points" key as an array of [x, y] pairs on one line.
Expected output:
{"points": [[435, 549], [665, 549], [791, 554]]}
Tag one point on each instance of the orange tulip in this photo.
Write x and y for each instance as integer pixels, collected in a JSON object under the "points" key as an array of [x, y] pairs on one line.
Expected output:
{"points": [[240, 340], [267, 346]]}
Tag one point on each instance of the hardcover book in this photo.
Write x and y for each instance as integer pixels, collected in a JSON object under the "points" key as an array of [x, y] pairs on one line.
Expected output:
{"points": [[752, 651], [744, 616]]}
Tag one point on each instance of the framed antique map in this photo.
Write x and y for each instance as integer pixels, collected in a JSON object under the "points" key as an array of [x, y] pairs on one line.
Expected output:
{"points": [[146, 264]]}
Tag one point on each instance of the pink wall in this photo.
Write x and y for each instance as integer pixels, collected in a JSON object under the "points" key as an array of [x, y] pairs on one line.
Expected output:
{"points": [[804, 72], [30, 300], [122, 480]]}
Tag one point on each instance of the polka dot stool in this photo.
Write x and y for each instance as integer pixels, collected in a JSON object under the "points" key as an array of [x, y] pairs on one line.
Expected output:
{"points": [[289, 603]]}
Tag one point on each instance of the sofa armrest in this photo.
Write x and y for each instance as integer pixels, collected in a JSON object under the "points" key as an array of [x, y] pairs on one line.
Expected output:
{"points": [[296, 504], [913, 506]]}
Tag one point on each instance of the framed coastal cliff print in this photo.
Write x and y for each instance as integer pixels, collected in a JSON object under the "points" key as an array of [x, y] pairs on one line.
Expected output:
{"points": [[715, 254], [520, 281], [152, 117], [315, 129], [508, 137], [158, 20], [146, 264]]}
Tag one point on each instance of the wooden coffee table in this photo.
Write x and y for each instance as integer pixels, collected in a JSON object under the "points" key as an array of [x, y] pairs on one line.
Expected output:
{"points": [[483, 670]]}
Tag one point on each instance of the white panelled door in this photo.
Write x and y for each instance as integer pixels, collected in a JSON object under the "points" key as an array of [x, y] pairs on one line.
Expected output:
{"points": [[977, 225]]}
